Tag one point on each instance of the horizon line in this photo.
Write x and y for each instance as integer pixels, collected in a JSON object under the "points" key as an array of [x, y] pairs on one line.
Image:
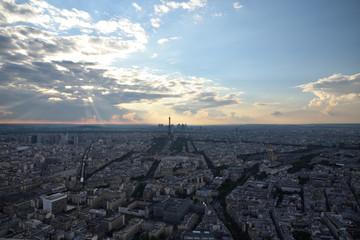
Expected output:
{"points": [[156, 124]]}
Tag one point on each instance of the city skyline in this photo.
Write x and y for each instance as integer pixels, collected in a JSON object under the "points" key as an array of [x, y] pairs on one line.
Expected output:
{"points": [[200, 61]]}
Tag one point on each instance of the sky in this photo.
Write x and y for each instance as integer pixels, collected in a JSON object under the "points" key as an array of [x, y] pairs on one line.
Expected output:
{"points": [[198, 61]]}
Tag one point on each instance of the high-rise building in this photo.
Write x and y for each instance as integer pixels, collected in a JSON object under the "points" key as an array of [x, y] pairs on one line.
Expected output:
{"points": [[169, 137]]}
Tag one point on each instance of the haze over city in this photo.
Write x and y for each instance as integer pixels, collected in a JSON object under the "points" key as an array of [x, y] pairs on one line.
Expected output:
{"points": [[202, 62]]}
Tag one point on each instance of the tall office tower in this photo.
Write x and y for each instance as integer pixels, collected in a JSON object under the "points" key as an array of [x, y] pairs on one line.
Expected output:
{"points": [[169, 130]]}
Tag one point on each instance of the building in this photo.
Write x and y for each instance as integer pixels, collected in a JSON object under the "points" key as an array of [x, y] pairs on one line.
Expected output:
{"points": [[172, 209], [115, 221], [190, 220], [61, 222], [198, 235], [169, 136], [335, 224], [114, 203], [130, 230], [55, 203], [270, 154], [137, 208]]}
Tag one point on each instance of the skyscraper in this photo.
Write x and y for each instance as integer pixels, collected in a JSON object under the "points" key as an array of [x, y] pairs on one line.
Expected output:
{"points": [[169, 137]]}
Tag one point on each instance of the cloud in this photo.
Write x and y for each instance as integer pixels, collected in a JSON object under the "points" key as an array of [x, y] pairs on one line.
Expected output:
{"points": [[242, 118], [276, 114], [136, 6], [49, 74], [5, 113], [332, 91], [190, 5], [38, 28], [155, 22], [43, 14], [217, 14], [164, 40], [161, 9], [56, 99], [214, 113], [197, 18], [155, 55], [71, 91], [206, 100], [265, 104], [237, 5], [129, 115]]}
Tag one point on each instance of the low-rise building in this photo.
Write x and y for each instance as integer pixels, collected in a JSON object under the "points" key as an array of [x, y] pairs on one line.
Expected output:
{"points": [[137, 208], [55, 203], [172, 209], [113, 222]]}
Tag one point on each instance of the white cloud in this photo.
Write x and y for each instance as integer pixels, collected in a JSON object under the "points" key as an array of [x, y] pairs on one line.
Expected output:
{"points": [[197, 18], [110, 38], [155, 22], [155, 55], [41, 13], [217, 14], [136, 6], [333, 91], [237, 5], [191, 5], [161, 9], [163, 40], [55, 99], [265, 104]]}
